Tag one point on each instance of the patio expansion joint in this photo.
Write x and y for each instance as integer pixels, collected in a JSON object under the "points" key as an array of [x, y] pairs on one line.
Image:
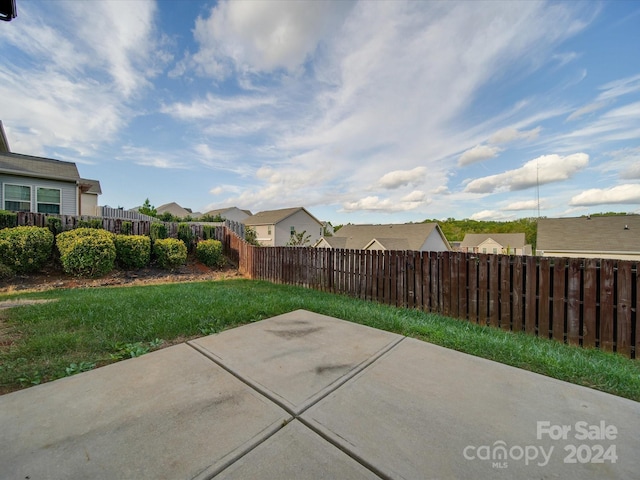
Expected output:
{"points": [[296, 413]]}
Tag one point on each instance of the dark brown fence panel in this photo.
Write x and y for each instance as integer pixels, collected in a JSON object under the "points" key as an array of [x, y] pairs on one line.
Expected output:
{"points": [[606, 304], [483, 289], [531, 296], [544, 297], [463, 281], [574, 279], [623, 307], [558, 298], [517, 294], [590, 302], [494, 291], [505, 292], [445, 267], [472, 289]]}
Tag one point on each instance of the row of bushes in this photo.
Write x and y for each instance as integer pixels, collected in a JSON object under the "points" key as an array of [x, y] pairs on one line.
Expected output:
{"points": [[94, 252]]}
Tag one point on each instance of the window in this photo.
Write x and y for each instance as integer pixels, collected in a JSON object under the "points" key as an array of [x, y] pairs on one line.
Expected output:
{"points": [[269, 230], [17, 198], [484, 250], [293, 231], [495, 250], [48, 200]]}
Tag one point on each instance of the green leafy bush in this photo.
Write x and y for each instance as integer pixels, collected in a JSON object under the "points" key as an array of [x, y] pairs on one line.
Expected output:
{"points": [[25, 249], [157, 230], [8, 219], [208, 232], [186, 235], [86, 252], [54, 224], [93, 223], [209, 252], [132, 251], [126, 228], [5, 272], [170, 252]]}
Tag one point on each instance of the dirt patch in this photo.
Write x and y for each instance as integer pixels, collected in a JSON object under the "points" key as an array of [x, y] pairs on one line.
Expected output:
{"points": [[52, 278]]}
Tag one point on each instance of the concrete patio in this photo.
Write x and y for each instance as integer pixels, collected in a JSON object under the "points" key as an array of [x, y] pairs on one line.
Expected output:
{"points": [[304, 395]]}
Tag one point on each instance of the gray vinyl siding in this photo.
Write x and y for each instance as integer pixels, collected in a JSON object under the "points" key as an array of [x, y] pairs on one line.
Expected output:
{"points": [[68, 191]]}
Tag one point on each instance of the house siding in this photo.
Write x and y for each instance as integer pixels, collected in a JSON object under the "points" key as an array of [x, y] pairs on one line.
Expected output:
{"points": [[68, 191], [434, 243], [302, 222]]}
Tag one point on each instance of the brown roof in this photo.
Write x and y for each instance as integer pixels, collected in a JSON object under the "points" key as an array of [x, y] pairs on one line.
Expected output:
{"points": [[513, 240], [28, 166], [272, 217], [404, 236], [90, 186], [590, 234]]}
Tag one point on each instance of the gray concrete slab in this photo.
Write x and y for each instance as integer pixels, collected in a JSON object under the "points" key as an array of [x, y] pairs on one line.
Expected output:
{"points": [[296, 452], [169, 414], [298, 357], [422, 411]]}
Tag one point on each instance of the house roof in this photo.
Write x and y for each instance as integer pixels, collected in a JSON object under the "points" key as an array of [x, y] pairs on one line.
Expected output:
{"points": [[222, 211], [4, 143], [174, 209], [590, 234], [90, 186], [513, 240], [28, 166], [405, 236], [273, 217]]}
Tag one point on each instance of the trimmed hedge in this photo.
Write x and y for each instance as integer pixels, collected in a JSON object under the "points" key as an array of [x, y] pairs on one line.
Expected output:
{"points": [[8, 219], [86, 252], [157, 231], [25, 249], [186, 235], [209, 252], [132, 251], [170, 253]]}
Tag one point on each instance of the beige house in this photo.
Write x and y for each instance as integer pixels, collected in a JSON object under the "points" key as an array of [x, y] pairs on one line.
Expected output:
{"points": [[616, 236], [426, 237], [276, 228], [230, 213], [44, 185], [500, 243], [176, 210]]}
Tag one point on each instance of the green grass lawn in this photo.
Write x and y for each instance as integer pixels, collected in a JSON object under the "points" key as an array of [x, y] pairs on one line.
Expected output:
{"points": [[87, 328]]}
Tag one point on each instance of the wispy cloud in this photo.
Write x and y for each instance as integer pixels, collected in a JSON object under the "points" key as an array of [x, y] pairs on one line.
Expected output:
{"points": [[620, 194], [541, 170]]}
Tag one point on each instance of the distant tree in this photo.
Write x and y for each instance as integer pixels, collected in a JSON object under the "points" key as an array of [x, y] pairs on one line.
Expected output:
{"points": [[251, 236], [210, 218], [167, 217], [148, 209], [299, 239], [338, 227], [326, 231]]}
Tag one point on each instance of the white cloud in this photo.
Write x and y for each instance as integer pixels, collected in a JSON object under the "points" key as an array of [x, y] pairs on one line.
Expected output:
{"points": [[621, 194], [478, 153], [631, 173], [510, 134], [213, 106], [495, 215], [414, 197], [591, 107], [262, 36], [400, 178], [541, 170], [522, 205], [620, 87]]}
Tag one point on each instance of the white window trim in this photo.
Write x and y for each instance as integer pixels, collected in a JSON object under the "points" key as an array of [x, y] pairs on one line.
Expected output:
{"points": [[4, 195], [59, 204]]}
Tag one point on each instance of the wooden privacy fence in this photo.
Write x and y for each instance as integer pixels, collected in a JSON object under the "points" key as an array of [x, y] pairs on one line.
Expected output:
{"points": [[587, 302]]}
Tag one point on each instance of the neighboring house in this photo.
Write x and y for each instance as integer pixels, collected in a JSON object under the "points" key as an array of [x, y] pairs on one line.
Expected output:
{"points": [[426, 237], [616, 237], [502, 243], [177, 211], [230, 213], [275, 228], [44, 185]]}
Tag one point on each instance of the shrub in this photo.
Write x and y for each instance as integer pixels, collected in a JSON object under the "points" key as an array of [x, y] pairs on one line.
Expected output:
{"points": [[132, 251], [208, 232], [8, 219], [157, 230], [54, 225], [209, 252], [186, 235], [170, 252], [25, 249], [86, 252], [5, 272], [93, 223], [126, 228]]}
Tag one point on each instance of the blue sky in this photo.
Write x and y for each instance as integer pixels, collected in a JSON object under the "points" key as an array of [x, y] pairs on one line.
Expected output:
{"points": [[362, 112]]}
